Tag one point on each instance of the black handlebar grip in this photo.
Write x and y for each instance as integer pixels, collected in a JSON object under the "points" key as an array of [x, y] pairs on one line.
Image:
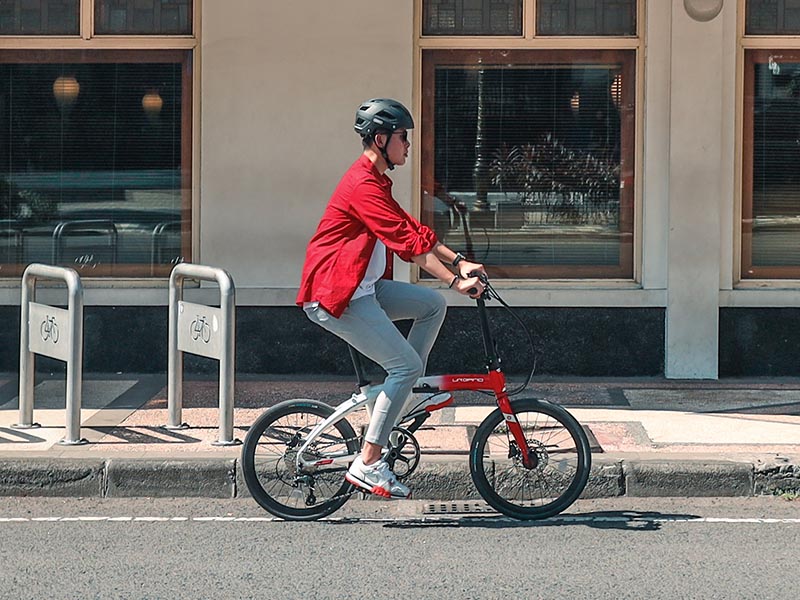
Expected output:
{"points": [[479, 275]]}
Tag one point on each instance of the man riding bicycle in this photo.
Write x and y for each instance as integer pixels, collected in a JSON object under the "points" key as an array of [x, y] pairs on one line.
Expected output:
{"points": [[347, 285]]}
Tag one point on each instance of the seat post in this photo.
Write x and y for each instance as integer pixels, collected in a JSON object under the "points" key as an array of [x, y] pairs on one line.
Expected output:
{"points": [[358, 365]]}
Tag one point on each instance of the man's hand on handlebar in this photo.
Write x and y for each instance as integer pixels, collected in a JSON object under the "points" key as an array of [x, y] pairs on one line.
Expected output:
{"points": [[472, 276], [472, 285], [467, 269]]}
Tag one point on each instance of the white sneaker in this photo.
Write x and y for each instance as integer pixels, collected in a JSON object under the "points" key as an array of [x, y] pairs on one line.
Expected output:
{"points": [[422, 403], [376, 479]]}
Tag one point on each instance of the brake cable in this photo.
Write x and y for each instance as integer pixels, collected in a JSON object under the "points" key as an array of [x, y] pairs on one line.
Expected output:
{"points": [[492, 294]]}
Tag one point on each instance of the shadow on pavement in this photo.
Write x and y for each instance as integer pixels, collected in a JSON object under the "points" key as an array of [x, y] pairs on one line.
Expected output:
{"points": [[625, 520]]}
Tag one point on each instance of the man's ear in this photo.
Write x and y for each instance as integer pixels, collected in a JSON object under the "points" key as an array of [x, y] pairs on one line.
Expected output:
{"points": [[382, 143]]}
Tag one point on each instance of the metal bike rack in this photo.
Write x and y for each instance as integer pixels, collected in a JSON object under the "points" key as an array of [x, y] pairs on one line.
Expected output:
{"points": [[11, 241], [207, 331], [157, 243], [56, 333], [84, 228]]}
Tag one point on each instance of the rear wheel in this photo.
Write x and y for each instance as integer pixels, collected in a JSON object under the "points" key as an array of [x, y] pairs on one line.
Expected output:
{"points": [[269, 461], [561, 460]]}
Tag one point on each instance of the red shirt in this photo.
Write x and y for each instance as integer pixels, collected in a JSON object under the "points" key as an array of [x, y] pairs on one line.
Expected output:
{"points": [[360, 211]]}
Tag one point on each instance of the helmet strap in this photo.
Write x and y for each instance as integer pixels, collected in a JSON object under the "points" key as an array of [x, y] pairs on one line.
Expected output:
{"points": [[389, 164]]}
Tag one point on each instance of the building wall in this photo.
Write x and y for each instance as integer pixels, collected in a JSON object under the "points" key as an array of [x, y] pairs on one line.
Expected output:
{"points": [[281, 82], [278, 85]]}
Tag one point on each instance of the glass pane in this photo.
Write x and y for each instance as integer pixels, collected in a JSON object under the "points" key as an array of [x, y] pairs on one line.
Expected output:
{"points": [[529, 161], [142, 17], [92, 171], [39, 17], [776, 153], [586, 17], [772, 17], [472, 17]]}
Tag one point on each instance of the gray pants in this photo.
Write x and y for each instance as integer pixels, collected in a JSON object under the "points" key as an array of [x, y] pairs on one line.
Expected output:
{"points": [[366, 324]]}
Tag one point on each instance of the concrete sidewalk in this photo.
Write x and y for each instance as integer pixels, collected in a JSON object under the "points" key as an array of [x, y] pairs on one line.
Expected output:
{"points": [[650, 436]]}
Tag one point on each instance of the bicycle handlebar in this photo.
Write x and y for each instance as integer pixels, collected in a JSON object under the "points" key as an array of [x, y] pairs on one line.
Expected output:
{"points": [[483, 278]]}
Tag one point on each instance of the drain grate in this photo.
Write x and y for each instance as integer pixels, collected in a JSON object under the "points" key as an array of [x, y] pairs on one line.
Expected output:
{"points": [[458, 508]]}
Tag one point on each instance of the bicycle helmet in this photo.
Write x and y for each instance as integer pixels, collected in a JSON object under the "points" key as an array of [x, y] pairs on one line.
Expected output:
{"points": [[382, 114]]}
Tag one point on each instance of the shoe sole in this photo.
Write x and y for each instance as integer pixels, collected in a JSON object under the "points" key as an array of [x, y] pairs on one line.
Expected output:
{"points": [[376, 489]]}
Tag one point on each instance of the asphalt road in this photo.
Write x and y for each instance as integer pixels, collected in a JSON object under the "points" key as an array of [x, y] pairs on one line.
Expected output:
{"points": [[625, 548]]}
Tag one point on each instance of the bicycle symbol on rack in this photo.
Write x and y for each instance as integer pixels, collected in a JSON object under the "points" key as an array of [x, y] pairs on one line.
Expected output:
{"points": [[49, 329], [86, 261], [200, 329]]}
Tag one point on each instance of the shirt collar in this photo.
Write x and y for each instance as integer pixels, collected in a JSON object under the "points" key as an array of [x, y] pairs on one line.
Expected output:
{"points": [[368, 164]]}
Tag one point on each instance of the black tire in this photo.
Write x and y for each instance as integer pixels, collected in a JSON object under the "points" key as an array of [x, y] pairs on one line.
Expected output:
{"points": [[563, 461], [268, 461]]}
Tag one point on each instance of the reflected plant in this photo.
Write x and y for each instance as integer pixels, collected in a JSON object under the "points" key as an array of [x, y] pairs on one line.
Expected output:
{"points": [[564, 184], [24, 206]]}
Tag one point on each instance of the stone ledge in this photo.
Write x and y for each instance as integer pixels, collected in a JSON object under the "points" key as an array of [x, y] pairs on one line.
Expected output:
{"points": [[606, 479], [445, 478], [51, 477], [170, 478], [777, 479], [688, 478]]}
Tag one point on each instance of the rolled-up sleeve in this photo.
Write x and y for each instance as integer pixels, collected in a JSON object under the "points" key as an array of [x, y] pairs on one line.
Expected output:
{"points": [[401, 233]]}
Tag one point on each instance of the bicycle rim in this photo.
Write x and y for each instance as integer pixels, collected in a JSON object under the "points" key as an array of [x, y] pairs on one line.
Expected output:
{"points": [[269, 461], [562, 461]]}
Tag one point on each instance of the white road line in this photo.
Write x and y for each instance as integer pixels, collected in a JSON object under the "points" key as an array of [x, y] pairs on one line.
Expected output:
{"points": [[455, 519]]}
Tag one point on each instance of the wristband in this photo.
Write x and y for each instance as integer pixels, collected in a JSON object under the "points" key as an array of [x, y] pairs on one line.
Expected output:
{"points": [[452, 283], [459, 257]]}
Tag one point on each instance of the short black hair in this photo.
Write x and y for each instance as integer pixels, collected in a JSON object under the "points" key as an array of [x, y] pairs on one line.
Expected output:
{"points": [[367, 140]]}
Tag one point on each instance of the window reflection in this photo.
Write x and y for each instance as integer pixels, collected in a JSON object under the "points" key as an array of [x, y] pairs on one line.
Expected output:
{"points": [[39, 17], [472, 17], [95, 173], [532, 163], [143, 17], [775, 199]]}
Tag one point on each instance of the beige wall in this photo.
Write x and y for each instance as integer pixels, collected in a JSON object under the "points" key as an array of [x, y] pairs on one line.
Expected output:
{"points": [[280, 85]]}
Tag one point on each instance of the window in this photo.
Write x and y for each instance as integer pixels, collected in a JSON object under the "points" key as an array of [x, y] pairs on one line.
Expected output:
{"points": [[528, 154], [126, 17], [770, 214], [96, 164], [771, 191], [39, 17], [586, 17], [472, 17], [772, 17]]}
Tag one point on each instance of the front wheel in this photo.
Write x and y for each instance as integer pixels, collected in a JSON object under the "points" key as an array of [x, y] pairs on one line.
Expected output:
{"points": [[561, 460], [269, 461]]}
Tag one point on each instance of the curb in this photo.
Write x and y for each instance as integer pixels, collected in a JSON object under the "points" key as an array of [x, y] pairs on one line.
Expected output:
{"points": [[442, 479]]}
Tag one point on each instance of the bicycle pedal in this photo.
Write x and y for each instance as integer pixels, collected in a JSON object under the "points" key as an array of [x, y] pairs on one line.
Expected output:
{"points": [[363, 495]]}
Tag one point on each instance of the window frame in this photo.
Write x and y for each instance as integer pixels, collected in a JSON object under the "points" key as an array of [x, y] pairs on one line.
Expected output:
{"points": [[130, 48], [532, 275], [749, 48]]}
